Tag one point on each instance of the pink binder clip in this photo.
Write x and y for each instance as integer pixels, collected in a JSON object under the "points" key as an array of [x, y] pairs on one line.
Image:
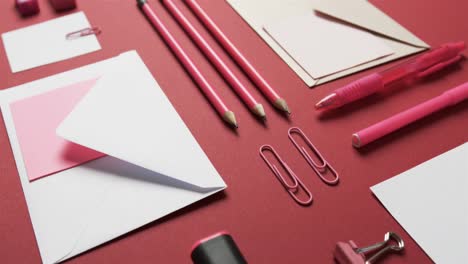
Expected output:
{"points": [[296, 182], [349, 253], [322, 166]]}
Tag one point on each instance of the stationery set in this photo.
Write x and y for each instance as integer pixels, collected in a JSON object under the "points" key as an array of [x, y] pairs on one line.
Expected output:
{"points": [[100, 150]]}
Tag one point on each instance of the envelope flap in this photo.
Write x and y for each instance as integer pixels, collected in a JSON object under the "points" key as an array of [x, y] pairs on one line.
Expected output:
{"points": [[365, 15], [126, 115]]}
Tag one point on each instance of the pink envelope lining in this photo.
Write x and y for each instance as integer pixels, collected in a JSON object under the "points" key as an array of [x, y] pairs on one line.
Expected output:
{"points": [[36, 119]]}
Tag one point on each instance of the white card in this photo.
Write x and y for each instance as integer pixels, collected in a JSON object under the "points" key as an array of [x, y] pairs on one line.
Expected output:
{"points": [[430, 201], [46, 42], [322, 46]]}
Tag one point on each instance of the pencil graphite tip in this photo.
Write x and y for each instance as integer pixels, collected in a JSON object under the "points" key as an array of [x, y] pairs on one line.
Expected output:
{"points": [[230, 118], [326, 102], [282, 105], [259, 111]]}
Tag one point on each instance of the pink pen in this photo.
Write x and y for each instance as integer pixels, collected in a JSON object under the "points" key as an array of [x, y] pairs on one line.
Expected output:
{"points": [[387, 126], [420, 67]]}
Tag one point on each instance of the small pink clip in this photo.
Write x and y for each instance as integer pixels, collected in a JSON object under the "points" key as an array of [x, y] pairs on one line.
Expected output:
{"points": [[349, 253], [321, 168], [83, 32], [296, 182]]}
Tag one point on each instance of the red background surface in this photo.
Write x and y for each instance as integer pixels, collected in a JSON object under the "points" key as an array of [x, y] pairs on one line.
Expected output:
{"points": [[268, 226]]}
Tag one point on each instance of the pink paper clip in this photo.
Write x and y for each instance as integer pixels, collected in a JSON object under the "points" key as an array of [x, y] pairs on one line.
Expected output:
{"points": [[83, 32], [349, 253], [320, 168], [296, 182]]}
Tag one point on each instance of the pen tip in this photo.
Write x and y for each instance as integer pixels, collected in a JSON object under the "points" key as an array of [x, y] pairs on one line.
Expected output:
{"points": [[282, 105], [318, 105], [326, 102], [230, 118]]}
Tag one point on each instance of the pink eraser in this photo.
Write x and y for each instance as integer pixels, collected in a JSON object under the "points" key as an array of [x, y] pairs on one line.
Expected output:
{"points": [[61, 5], [27, 7]]}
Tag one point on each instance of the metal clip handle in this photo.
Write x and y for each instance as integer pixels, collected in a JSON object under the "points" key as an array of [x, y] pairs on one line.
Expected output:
{"points": [[384, 246], [439, 66]]}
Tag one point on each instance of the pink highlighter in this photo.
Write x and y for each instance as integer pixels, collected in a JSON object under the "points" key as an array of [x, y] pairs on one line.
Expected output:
{"points": [[387, 126]]}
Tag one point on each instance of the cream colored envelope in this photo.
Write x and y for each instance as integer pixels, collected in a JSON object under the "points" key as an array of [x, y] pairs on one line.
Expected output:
{"points": [[358, 13]]}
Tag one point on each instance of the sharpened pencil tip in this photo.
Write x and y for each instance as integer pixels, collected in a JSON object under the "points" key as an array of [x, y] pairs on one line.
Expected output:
{"points": [[259, 111], [282, 105], [230, 118]]}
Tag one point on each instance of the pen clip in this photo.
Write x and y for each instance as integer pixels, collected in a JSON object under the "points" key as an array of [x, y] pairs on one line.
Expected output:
{"points": [[439, 66]]}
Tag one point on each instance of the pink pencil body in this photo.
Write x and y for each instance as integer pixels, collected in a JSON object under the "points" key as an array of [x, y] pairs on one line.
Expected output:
{"points": [[219, 64], [253, 74], [206, 88], [387, 126]]}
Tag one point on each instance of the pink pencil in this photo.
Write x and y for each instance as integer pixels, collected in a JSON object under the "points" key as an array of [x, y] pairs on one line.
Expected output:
{"points": [[253, 74], [228, 75], [206, 88], [374, 132]]}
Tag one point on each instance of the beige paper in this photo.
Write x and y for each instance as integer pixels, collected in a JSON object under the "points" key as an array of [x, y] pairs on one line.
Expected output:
{"points": [[323, 46], [360, 13]]}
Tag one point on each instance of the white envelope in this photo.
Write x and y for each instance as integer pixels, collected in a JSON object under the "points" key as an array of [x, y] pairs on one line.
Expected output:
{"points": [[359, 13], [80, 208]]}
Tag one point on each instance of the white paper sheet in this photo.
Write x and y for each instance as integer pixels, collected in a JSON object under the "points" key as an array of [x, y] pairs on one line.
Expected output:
{"points": [[80, 208], [322, 46], [45, 43], [430, 201]]}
